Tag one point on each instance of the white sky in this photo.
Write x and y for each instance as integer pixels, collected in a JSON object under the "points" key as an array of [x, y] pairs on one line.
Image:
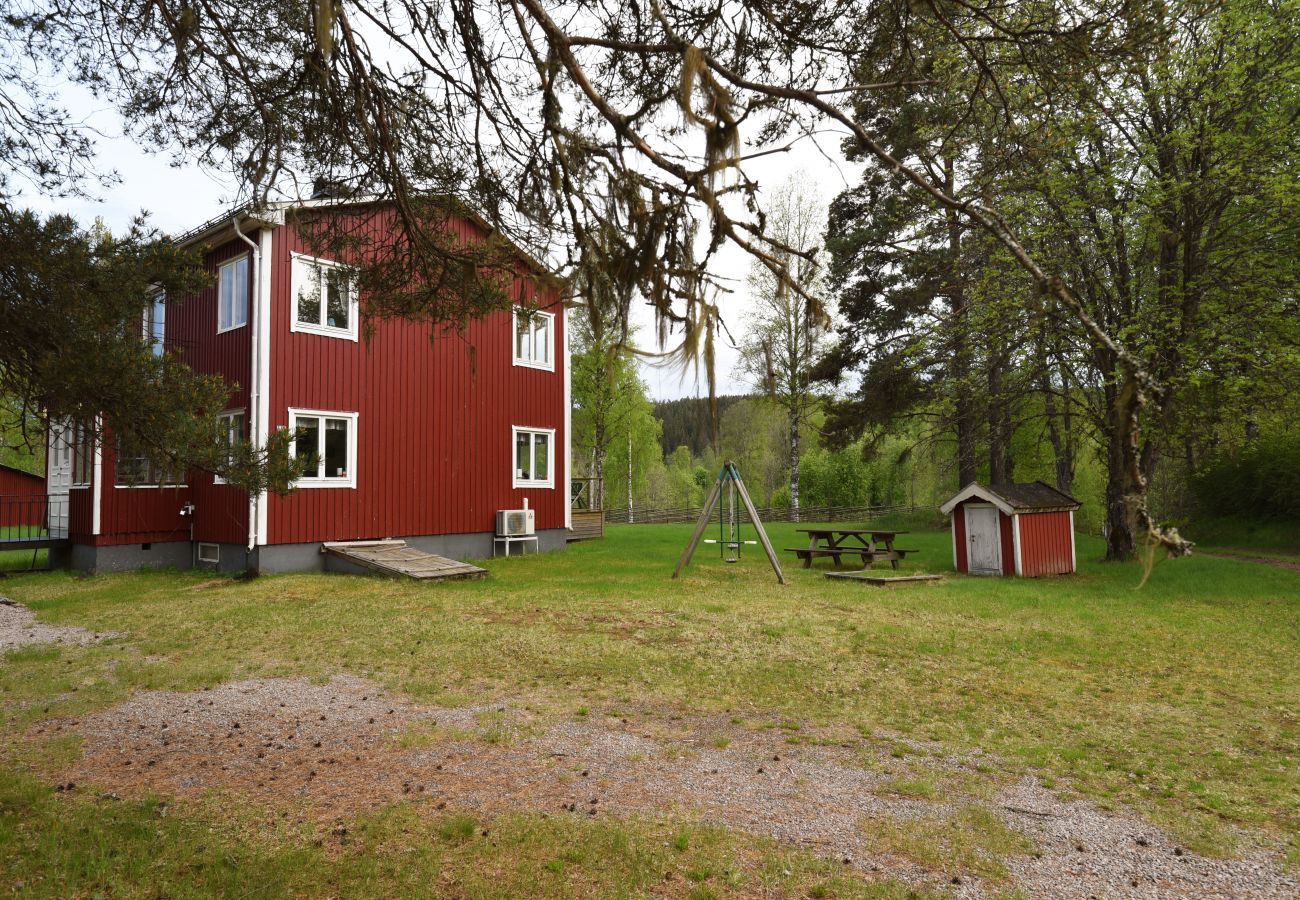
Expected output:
{"points": [[179, 195]]}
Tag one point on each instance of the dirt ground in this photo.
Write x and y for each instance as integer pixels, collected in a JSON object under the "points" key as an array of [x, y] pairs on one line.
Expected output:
{"points": [[341, 748]]}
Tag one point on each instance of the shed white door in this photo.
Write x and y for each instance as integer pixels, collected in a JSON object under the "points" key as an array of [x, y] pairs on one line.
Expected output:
{"points": [[983, 541], [59, 478]]}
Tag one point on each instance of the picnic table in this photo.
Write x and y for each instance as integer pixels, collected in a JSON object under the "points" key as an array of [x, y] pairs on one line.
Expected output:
{"points": [[871, 544]]}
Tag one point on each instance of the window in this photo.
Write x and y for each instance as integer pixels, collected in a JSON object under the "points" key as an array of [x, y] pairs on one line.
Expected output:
{"points": [[209, 553], [324, 298], [232, 432], [155, 323], [80, 443], [134, 469], [329, 442], [532, 457], [232, 295], [533, 330]]}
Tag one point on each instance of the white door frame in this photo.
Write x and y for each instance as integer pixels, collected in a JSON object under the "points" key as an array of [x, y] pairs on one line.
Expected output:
{"points": [[970, 539]]}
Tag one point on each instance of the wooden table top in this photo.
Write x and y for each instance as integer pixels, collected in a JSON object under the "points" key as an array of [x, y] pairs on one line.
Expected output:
{"points": [[871, 531]]}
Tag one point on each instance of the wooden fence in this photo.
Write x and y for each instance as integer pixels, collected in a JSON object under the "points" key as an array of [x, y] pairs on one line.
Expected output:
{"points": [[642, 516]]}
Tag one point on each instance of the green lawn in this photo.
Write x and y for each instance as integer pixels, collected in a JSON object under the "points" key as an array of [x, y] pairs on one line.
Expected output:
{"points": [[1180, 699]]}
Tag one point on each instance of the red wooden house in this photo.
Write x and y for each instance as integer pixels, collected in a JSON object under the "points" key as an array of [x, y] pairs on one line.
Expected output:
{"points": [[411, 437], [1012, 529]]}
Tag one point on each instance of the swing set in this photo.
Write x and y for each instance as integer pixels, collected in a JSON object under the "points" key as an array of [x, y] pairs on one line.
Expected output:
{"points": [[729, 541]]}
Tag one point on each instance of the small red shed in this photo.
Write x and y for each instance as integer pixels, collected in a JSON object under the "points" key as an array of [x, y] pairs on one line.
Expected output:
{"points": [[1012, 529]]}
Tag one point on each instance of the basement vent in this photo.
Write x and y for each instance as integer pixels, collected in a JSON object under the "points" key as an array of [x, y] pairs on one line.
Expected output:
{"points": [[209, 553]]}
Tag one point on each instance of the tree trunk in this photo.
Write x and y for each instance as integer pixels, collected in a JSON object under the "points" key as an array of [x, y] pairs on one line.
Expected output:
{"points": [[630, 515], [999, 426], [964, 405], [1060, 435], [1123, 471], [794, 467]]}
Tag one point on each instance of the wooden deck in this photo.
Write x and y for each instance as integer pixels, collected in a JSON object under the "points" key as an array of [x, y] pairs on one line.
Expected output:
{"points": [[395, 559], [882, 579]]}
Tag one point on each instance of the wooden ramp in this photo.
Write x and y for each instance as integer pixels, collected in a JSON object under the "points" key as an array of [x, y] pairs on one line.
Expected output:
{"points": [[395, 559], [882, 579]]}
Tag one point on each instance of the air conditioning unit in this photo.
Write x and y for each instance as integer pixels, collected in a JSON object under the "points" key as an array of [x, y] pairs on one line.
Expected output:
{"points": [[513, 522]]}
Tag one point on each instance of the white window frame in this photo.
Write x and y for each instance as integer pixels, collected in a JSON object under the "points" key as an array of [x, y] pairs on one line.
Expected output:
{"points": [[319, 482], [549, 481], [213, 549], [232, 264], [536, 315], [296, 261], [146, 485], [230, 414], [156, 345]]}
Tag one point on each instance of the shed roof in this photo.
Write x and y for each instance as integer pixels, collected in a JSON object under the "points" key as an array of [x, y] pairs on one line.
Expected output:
{"points": [[17, 471], [1033, 496]]}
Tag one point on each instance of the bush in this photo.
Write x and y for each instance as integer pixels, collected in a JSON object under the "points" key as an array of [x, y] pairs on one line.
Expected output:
{"points": [[1260, 481]]}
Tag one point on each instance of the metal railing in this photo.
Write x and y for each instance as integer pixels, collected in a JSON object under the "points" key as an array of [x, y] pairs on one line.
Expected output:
{"points": [[688, 514], [33, 517]]}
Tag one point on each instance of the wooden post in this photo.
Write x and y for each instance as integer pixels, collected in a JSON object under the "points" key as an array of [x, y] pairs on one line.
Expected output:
{"points": [[758, 525], [700, 524]]}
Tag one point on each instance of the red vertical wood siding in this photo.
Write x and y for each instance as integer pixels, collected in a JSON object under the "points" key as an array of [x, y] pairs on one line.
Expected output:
{"points": [[146, 514], [220, 510], [434, 443], [1045, 544], [959, 529], [1008, 544], [15, 482], [81, 522]]}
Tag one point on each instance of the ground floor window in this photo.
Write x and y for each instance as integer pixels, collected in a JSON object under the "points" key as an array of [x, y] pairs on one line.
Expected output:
{"points": [[133, 468], [328, 441], [533, 457]]}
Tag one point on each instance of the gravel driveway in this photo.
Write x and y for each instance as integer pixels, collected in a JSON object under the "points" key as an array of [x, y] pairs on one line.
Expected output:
{"points": [[345, 747], [19, 628]]}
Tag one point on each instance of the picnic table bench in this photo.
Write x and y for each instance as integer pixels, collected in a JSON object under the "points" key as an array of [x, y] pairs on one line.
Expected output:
{"points": [[870, 544]]}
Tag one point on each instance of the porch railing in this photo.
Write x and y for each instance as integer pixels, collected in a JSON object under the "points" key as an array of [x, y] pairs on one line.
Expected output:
{"points": [[25, 518]]}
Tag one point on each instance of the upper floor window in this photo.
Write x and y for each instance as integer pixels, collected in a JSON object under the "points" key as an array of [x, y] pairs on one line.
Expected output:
{"points": [[324, 298], [231, 433], [328, 440], [533, 338], [232, 294], [155, 323], [532, 457]]}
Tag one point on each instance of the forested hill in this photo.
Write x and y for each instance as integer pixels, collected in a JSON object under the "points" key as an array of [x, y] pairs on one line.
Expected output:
{"points": [[686, 421]]}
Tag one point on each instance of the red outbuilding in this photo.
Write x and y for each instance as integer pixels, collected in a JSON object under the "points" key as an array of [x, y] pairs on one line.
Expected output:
{"points": [[1012, 529], [414, 434], [22, 498]]}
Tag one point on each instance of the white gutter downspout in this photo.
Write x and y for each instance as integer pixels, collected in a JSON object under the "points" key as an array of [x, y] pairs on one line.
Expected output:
{"points": [[255, 392], [568, 424]]}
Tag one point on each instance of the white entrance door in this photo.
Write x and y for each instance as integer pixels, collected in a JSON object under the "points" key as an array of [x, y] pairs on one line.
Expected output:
{"points": [[983, 540], [59, 478]]}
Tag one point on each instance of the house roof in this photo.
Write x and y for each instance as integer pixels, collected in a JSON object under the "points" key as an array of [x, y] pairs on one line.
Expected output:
{"points": [[273, 215], [1032, 496]]}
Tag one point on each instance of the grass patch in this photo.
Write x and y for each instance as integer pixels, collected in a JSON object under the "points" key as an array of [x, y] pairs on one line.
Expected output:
{"points": [[1178, 699], [971, 841], [71, 845]]}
